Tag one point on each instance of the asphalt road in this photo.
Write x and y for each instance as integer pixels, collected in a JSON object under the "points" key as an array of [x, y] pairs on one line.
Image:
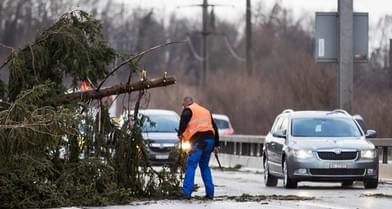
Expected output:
{"points": [[230, 183]]}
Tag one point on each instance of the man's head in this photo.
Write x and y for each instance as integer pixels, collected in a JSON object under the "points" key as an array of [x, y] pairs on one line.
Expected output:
{"points": [[187, 101]]}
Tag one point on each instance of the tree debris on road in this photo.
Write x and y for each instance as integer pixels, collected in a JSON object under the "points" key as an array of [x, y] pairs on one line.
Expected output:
{"points": [[377, 195]]}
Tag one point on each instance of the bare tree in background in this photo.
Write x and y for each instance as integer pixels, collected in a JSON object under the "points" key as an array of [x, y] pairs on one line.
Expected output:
{"points": [[285, 74]]}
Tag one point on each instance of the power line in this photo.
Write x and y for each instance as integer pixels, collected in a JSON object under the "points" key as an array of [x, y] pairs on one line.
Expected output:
{"points": [[206, 31], [193, 50], [204, 45], [232, 51], [228, 44]]}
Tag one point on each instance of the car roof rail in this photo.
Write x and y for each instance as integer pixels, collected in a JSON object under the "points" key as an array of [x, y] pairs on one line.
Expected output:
{"points": [[358, 117], [340, 111], [288, 111]]}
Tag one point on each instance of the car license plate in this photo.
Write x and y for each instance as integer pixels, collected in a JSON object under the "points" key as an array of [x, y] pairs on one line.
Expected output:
{"points": [[338, 165], [162, 157]]}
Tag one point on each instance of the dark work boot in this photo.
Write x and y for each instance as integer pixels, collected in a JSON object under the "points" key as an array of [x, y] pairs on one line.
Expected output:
{"points": [[180, 195], [207, 197]]}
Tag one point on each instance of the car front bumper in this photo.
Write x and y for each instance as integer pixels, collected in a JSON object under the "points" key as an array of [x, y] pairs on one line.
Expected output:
{"points": [[160, 156], [315, 169]]}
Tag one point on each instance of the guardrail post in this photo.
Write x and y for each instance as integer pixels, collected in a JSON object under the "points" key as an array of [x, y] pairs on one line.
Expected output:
{"points": [[258, 150], [240, 148], [385, 155], [235, 148], [252, 147]]}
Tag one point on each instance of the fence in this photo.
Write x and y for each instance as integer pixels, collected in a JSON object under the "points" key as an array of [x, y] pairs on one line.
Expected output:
{"points": [[249, 145]]}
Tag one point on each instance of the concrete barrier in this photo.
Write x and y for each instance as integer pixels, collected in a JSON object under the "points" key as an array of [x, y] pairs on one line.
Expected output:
{"points": [[386, 172]]}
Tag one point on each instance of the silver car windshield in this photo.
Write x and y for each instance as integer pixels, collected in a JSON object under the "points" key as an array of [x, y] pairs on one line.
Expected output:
{"points": [[161, 123], [324, 127]]}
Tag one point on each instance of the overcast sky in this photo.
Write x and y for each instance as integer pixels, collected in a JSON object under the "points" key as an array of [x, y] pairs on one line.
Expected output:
{"points": [[236, 10], [376, 8]]}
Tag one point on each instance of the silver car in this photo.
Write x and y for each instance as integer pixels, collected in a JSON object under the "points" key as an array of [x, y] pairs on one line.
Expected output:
{"points": [[319, 146], [160, 132]]}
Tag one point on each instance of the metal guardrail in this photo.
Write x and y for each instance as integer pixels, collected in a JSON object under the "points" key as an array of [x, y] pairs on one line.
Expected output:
{"points": [[252, 145]]}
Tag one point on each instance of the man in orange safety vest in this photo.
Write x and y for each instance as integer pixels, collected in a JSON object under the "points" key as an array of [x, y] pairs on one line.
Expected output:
{"points": [[199, 130]]}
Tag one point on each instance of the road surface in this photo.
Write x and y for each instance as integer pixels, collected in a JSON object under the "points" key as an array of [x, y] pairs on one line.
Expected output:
{"points": [[231, 183]]}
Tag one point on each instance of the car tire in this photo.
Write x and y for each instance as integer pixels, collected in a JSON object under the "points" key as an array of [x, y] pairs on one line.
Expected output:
{"points": [[347, 183], [269, 180], [370, 183], [288, 183]]}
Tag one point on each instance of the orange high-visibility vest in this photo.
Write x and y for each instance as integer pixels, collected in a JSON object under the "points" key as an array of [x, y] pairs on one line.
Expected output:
{"points": [[200, 122]]}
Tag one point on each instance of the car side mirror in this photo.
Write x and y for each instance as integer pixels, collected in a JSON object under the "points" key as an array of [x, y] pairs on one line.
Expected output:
{"points": [[371, 134], [279, 134]]}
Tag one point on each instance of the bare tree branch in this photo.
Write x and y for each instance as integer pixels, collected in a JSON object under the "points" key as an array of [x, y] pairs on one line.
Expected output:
{"points": [[134, 57], [4, 105], [33, 62], [5, 63], [26, 125], [9, 57], [7, 47]]}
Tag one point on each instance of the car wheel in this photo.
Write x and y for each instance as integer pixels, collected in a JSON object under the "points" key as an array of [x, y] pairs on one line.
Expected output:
{"points": [[371, 183], [347, 183], [269, 180], [287, 181]]}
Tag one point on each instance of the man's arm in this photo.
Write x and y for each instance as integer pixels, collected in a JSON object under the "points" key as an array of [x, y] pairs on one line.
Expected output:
{"points": [[186, 116], [216, 132]]}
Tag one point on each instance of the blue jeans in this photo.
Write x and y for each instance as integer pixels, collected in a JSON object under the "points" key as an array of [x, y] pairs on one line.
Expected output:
{"points": [[200, 154]]}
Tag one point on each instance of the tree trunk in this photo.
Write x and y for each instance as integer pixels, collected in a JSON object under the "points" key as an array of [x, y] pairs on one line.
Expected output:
{"points": [[83, 96]]}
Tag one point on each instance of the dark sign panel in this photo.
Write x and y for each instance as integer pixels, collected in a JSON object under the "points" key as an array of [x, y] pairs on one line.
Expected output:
{"points": [[327, 38]]}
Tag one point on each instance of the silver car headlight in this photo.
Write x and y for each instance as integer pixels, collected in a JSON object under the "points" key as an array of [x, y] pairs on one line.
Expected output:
{"points": [[303, 154], [368, 154]]}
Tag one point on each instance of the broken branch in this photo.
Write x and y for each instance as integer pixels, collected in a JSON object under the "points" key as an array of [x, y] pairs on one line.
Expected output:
{"points": [[115, 90]]}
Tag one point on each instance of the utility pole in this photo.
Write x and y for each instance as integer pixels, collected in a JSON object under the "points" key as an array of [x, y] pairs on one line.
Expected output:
{"points": [[204, 34], [345, 74], [390, 63], [206, 31], [249, 58]]}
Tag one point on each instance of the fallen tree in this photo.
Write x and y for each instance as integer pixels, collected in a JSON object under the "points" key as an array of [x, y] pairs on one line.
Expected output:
{"points": [[60, 150]]}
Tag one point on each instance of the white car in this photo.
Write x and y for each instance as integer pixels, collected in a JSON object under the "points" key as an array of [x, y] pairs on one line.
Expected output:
{"points": [[223, 124]]}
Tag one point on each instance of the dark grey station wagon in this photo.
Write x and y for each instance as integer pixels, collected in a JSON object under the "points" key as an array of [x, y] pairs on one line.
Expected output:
{"points": [[319, 146]]}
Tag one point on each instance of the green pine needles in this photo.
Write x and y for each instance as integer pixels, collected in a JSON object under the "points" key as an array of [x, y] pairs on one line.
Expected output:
{"points": [[74, 46], [56, 155]]}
